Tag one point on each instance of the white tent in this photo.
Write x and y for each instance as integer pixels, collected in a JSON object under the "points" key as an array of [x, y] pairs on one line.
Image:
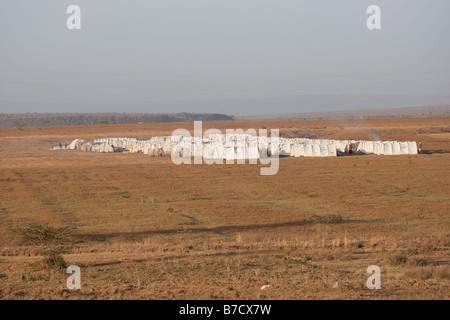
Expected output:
{"points": [[378, 147], [387, 148], [365, 147], [396, 148], [253, 151], [299, 150], [368, 147], [404, 149], [342, 145], [412, 147], [316, 150], [308, 150], [76, 144], [332, 150], [324, 150], [241, 146], [285, 149]]}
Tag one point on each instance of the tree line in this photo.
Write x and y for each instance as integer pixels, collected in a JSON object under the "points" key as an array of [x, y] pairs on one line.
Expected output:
{"points": [[75, 119]]}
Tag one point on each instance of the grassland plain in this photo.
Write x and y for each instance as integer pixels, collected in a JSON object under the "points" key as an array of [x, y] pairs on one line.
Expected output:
{"points": [[149, 229]]}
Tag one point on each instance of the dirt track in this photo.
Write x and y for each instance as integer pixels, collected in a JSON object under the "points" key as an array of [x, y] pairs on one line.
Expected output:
{"points": [[148, 229]]}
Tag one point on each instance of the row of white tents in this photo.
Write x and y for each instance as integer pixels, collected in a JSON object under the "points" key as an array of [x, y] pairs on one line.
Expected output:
{"points": [[326, 148], [243, 146]]}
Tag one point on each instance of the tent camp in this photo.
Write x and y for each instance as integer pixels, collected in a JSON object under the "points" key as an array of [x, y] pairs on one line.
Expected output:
{"points": [[243, 146]]}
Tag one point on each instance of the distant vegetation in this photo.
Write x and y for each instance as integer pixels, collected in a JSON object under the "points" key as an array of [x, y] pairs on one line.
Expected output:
{"points": [[411, 112], [74, 119]]}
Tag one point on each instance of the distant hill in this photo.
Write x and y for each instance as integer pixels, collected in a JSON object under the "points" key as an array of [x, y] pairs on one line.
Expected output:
{"points": [[411, 112], [74, 119]]}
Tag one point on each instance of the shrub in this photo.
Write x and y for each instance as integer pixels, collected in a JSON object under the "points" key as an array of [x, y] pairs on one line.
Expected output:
{"points": [[419, 262], [419, 273], [55, 261], [305, 257], [424, 273], [52, 241], [397, 259], [333, 218]]}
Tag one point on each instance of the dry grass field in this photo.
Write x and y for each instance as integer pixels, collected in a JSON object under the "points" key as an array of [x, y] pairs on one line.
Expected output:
{"points": [[149, 229]]}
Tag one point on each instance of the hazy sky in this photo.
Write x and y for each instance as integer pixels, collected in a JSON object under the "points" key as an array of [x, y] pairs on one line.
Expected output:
{"points": [[226, 56]]}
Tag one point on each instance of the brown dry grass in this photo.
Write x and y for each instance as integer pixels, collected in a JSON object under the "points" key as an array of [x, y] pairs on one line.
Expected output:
{"points": [[148, 229]]}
